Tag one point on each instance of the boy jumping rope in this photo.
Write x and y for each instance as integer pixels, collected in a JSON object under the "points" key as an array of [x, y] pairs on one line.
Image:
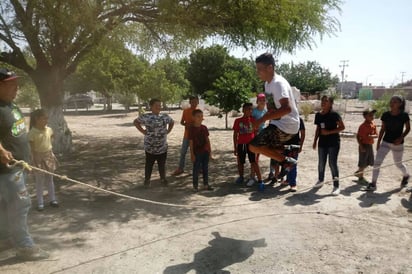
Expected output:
{"points": [[282, 113]]}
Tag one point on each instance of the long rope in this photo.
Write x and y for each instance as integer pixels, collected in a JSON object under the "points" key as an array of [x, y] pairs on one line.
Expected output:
{"points": [[29, 167]]}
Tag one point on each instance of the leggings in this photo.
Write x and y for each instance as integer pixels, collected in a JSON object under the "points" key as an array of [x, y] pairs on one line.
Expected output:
{"points": [[397, 154]]}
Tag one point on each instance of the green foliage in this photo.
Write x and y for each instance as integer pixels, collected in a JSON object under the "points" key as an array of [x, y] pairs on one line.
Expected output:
{"points": [[382, 104], [28, 97], [306, 109], [308, 77], [229, 92]]}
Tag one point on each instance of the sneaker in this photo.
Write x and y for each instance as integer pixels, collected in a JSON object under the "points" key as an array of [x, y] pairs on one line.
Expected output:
{"points": [[319, 184], [40, 207], [336, 191], [177, 172], [164, 182], [405, 181], [292, 189], [270, 176], [32, 253], [195, 189], [54, 203], [362, 181], [146, 184], [208, 187], [370, 187], [251, 182], [409, 189], [239, 180]]}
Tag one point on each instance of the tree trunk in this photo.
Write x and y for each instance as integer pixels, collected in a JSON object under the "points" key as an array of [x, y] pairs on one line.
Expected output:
{"points": [[49, 83], [226, 114]]}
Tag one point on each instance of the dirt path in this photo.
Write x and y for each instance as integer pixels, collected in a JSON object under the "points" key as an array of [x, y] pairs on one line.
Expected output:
{"points": [[242, 230]]}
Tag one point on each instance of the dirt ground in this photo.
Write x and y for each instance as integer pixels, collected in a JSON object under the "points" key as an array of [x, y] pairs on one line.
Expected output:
{"points": [[238, 229]]}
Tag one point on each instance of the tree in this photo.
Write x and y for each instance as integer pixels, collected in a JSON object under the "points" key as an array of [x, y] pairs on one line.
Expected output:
{"points": [[60, 33], [308, 77], [229, 92]]}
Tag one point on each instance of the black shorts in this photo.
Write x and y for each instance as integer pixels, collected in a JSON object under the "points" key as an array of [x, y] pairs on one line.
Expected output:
{"points": [[366, 158], [272, 137], [242, 150]]}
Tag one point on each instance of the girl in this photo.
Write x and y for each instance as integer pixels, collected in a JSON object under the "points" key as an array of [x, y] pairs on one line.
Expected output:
{"points": [[395, 126], [328, 125], [40, 138]]}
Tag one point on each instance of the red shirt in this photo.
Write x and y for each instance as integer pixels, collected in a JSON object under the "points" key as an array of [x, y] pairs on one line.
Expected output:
{"points": [[365, 130], [244, 127], [199, 136]]}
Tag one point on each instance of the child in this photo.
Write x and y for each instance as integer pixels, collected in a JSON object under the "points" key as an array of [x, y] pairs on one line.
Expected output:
{"points": [[328, 125], [157, 127], [200, 150], [298, 139], [258, 113], [395, 127], [186, 121], [242, 135], [40, 137], [366, 133]]}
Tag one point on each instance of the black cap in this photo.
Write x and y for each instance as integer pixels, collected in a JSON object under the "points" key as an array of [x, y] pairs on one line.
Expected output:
{"points": [[7, 75]]}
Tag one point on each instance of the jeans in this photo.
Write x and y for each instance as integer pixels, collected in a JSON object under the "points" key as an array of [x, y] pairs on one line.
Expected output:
{"points": [[14, 206], [40, 180], [397, 154], [323, 153], [183, 151], [161, 164], [292, 174], [201, 161]]}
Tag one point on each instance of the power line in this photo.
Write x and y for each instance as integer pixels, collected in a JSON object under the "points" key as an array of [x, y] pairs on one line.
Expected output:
{"points": [[344, 64], [402, 74]]}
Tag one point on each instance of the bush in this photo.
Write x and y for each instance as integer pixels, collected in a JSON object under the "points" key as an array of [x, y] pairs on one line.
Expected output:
{"points": [[381, 105], [306, 108], [214, 111]]}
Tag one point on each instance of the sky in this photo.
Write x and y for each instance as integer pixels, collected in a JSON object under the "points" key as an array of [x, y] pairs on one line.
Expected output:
{"points": [[375, 39]]}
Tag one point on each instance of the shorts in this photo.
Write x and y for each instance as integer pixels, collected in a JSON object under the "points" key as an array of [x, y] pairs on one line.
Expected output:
{"points": [[366, 158], [242, 150], [272, 137]]}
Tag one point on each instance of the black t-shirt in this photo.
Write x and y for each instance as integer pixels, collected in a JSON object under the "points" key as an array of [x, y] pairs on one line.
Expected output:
{"points": [[13, 133], [328, 121], [393, 125], [296, 138]]}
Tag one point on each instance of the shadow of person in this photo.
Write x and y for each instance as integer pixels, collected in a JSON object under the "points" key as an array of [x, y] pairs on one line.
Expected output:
{"points": [[369, 199], [305, 198], [354, 188], [220, 253]]}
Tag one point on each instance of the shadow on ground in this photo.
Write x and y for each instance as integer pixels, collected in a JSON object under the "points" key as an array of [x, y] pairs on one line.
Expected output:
{"points": [[221, 253]]}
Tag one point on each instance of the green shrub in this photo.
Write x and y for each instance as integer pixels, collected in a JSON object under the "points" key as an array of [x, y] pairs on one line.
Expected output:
{"points": [[306, 108], [382, 104]]}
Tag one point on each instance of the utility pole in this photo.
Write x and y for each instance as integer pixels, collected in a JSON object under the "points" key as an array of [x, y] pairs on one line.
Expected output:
{"points": [[344, 64], [402, 74]]}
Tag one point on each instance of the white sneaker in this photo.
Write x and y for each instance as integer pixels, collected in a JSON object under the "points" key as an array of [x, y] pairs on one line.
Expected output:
{"points": [[335, 191], [318, 184], [251, 182]]}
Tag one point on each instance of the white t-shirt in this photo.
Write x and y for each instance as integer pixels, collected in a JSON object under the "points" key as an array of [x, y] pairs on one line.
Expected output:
{"points": [[277, 89]]}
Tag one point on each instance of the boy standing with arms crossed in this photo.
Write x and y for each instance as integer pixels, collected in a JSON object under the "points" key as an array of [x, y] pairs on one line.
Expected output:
{"points": [[200, 150]]}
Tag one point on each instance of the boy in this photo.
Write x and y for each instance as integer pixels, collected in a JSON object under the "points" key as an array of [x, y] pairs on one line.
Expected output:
{"points": [[186, 121], [366, 132], [258, 113], [282, 113], [157, 126], [297, 140], [243, 133], [200, 150]]}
